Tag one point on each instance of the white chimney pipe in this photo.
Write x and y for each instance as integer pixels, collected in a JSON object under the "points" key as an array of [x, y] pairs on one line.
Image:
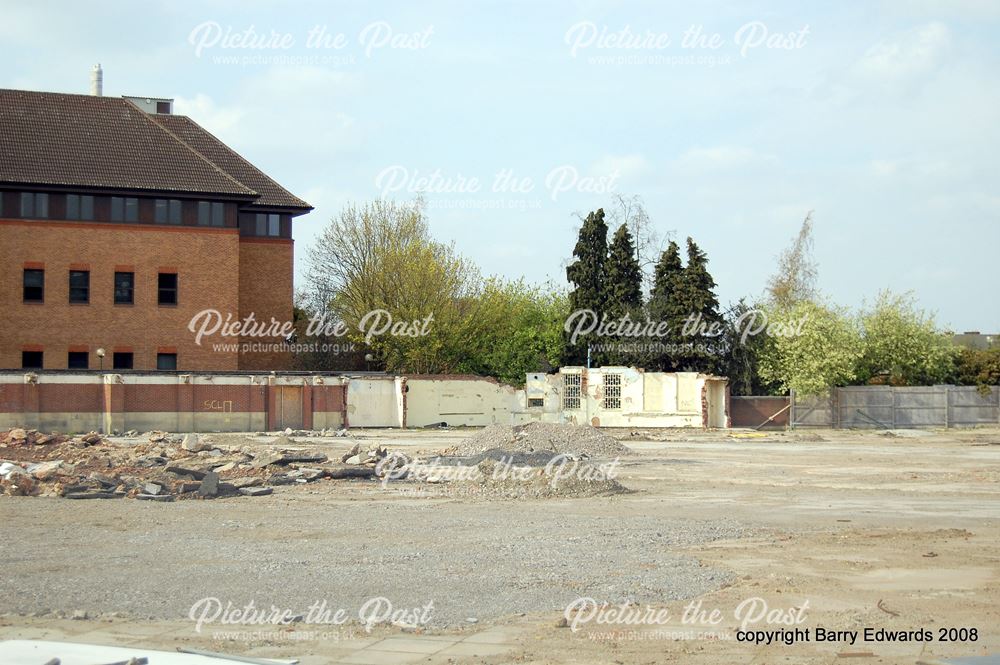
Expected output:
{"points": [[97, 81]]}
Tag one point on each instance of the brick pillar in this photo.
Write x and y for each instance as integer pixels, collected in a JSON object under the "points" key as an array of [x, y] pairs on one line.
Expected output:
{"points": [[185, 404], [31, 403], [343, 402], [271, 403], [403, 388], [307, 404], [114, 404]]}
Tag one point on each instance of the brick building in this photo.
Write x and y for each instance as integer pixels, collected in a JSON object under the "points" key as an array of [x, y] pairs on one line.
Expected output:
{"points": [[119, 222]]}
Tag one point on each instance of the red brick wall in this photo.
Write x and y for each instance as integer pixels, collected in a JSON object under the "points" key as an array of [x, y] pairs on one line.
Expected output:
{"points": [[206, 261], [265, 289], [51, 398], [170, 396]]}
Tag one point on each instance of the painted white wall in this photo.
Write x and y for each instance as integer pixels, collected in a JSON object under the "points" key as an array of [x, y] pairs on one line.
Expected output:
{"points": [[374, 402]]}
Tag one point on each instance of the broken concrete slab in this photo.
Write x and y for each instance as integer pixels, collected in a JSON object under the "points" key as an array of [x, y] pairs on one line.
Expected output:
{"points": [[302, 458], [209, 485], [336, 471], [355, 449], [197, 474], [152, 489], [266, 459], [256, 491], [194, 443], [250, 481], [155, 497], [46, 470], [93, 495]]}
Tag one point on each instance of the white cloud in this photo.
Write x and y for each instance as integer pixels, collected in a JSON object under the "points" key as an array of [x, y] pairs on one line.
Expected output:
{"points": [[626, 166], [202, 109], [884, 167], [722, 157], [909, 54]]}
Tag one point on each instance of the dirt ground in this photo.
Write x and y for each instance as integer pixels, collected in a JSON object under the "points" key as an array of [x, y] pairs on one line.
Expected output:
{"points": [[840, 531]]}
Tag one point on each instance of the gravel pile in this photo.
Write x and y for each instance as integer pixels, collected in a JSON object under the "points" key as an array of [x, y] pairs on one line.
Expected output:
{"points": [[497, 481], [546, 437]]}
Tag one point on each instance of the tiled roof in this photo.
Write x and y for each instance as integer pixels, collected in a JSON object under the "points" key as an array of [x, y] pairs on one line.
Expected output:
{"points": [[196, 136], [107, 142]]}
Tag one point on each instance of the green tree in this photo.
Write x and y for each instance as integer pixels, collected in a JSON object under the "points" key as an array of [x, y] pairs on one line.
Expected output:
{"points": [[902, 344], [699, 307], [519, 330], [667, 281], [812, 348], [743, 351], [979, 367], [624, 277], [588, 276], [624, 295], [380, 258]]}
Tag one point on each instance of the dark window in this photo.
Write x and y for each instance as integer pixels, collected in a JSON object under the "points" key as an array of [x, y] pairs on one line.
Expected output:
{"points": [[167, 288], [124, 288], [79, 207], [34, 285], [79, 286], [31, 360], [211, 213], [121, 360], [166, 361], [78, 360], [163, 107], [167, 211], [34, 205], [124, 209], [268, 224]]}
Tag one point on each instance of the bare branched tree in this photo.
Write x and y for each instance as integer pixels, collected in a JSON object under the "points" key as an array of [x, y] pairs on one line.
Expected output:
{"points": [[649, 243], [795, 278]]}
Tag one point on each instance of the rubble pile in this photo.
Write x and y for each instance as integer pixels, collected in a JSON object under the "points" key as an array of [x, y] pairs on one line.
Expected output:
{"points": [[164, 467], [582, 440], [496, 481]]}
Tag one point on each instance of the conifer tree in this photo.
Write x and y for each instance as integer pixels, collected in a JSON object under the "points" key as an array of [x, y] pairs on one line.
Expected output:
{"points": [[624, 293], [662, 300], [588, 275]]}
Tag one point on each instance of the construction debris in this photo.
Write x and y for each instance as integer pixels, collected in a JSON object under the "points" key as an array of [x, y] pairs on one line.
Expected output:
{"points": [[168, 467], [164, 468], [582, 440]]}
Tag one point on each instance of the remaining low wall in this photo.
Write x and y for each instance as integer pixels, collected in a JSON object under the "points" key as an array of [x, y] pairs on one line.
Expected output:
{"points": [[68, 402], [119, 402], [245, 402], [755, 411]]}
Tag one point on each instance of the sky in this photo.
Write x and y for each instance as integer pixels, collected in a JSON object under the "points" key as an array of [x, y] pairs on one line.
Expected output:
{"points": [[731, 121]]}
